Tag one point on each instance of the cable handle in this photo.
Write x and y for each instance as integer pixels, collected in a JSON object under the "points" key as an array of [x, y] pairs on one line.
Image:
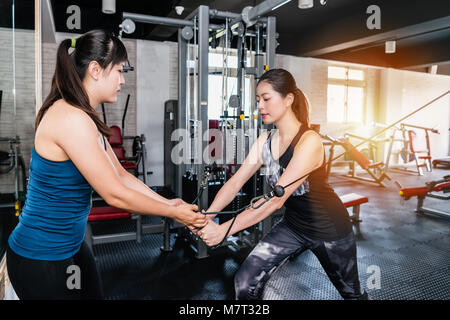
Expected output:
{"points": [[277, 191]]}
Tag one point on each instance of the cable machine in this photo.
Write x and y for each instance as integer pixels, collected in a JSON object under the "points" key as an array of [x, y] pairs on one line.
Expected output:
{"points": [[254, 36]]}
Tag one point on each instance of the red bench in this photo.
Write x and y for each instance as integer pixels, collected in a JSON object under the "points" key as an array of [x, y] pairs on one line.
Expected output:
{"points": [[354, 200], [431, 190], [116, 142], [107, 213]]}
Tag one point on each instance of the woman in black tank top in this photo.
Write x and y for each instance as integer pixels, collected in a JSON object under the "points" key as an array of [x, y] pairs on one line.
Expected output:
{"points": [[315, 218]]}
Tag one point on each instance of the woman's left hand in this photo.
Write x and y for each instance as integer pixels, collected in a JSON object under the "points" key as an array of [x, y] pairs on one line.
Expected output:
{"points": [[212, 234]]}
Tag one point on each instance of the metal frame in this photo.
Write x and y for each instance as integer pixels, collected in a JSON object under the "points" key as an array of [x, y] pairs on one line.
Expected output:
{"points": [[199, 21], [425, 210], [141, 229], [403, 167]]}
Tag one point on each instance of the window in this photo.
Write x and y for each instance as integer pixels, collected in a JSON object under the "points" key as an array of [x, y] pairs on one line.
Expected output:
{"points": [[215, 82], [345, 94]]}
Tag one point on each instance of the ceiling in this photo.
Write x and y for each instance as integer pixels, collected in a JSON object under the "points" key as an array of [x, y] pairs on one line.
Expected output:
{"points": [[335, 31]]}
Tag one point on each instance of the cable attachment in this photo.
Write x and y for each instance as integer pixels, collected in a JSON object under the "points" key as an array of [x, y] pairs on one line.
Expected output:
{"points": [[203, 184], [205, 179], [277, 191]]}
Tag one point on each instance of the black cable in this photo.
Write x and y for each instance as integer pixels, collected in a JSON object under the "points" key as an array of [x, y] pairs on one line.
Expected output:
{"points": [[277, 191]]}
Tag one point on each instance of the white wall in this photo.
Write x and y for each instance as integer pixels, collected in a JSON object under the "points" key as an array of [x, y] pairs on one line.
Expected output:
{"points": [[25, 96], [157, 82], [405, 91]]}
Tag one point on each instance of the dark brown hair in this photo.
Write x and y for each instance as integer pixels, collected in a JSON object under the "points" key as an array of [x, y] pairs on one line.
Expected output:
{"points": [[95, 45], [283, 82]]}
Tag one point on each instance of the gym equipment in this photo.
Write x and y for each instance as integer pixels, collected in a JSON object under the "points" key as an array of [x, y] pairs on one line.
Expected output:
{"points": [[409, 151], [13, 160], [374, 169], [431, 189], [190, 111], [444, 162], [394, 124], [354, 200], [372, 145], [350, 200], [108, 213]]}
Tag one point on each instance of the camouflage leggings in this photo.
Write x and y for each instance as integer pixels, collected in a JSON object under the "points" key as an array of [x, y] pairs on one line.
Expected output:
{"points": [[338, 258]]}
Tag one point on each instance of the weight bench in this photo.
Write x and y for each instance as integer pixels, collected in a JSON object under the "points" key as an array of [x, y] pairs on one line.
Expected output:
{"points": [[444, 162], [116, 142], [108, 213], [431, 190], [366, 164], [354, 200]]}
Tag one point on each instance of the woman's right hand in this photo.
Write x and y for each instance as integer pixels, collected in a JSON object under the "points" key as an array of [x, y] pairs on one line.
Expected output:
{"points": [[187, 214]]}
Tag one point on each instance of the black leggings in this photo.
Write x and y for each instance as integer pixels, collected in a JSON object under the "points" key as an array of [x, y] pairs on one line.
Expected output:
{"points": [[75, 278], [338, 258]]}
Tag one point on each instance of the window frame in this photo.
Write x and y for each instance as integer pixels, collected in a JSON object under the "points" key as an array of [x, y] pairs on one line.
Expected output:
{"points": [[346, 83], [232, 73]]}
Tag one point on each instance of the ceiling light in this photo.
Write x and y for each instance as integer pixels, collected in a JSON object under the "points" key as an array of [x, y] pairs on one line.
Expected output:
{"points": [[305, 4], [179, 10], [389, 46], [109, 6]]}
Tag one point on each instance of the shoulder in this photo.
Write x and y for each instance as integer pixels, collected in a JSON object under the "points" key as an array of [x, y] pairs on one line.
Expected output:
{"points": [[312, 136], [262, 138], [71, 123], [310, 139], [71, 117]]}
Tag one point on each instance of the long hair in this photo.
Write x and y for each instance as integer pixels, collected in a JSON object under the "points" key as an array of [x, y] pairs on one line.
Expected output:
{"points": [[283, 82], [95, 45]]}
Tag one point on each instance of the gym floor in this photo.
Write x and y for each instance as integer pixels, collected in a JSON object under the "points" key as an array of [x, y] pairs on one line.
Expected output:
{"points": [[410, 250]]}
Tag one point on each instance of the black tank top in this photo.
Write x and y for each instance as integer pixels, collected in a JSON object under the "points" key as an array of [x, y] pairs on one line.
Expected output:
{"points": [[314, 209]]}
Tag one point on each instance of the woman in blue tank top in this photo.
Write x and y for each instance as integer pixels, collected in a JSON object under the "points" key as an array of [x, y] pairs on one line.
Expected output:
{"points": [[70, 157], [315, 217]]}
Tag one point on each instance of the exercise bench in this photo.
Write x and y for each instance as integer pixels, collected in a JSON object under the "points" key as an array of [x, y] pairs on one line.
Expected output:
{"points": [[354, 200], [431, 190]]}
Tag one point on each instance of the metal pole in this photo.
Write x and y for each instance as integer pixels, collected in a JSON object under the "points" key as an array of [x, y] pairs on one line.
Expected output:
{"points": [[181, 108], [265, 7], [271, 42], [157, 20], [203, 52], [270, 62], [214, 13], [240, 49]]}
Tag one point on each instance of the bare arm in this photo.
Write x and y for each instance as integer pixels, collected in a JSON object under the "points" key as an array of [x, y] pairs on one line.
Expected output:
{"points": [[131, 181], [78, 138], [308, 156], [251, 164]]}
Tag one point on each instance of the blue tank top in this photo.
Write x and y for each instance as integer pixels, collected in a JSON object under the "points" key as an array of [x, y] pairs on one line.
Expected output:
{"points": [[53, 220]]}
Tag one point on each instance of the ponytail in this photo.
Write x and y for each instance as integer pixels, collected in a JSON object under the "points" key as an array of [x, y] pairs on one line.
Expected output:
{"points": [[300, 107], [71, 68]]}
